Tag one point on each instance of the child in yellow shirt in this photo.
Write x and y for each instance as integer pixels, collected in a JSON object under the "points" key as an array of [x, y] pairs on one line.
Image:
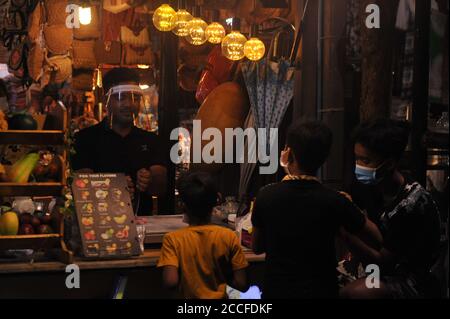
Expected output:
{"points": [[201, 259]]}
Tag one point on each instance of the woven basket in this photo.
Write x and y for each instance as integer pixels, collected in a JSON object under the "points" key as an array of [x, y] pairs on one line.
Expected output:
{"points": [[59, 67], [84, 54], [35, 20], [35, 61], [58, 38], [56, 11]]}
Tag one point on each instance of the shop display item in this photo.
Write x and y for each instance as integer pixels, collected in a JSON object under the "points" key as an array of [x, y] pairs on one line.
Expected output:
{"points": [[22, 122], [84, 54], [21, 170], [58, 38], [56, 11], [9, 224]]}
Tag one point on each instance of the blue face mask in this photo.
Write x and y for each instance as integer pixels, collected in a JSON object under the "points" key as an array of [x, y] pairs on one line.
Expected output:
{"points": [[366, 175]]}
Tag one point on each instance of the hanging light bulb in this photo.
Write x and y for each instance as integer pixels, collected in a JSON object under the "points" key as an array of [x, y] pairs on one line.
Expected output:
{"points": [[215, 32], [84, 15], [182, 19], [233, 46], [164, 18], [254, 49], [197, 31]]}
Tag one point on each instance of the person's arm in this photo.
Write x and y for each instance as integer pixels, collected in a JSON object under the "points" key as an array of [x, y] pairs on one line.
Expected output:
{"points": [[170, 277], [369, 251], [239, 280], [238, 265], [361, 235], [168, 260], [158, 182], [258, 244]]}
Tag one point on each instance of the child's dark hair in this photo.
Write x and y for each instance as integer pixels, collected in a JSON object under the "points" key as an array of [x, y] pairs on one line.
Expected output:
{"points": [[385, 137], [311, 143], [198, 192], [119, 75]]}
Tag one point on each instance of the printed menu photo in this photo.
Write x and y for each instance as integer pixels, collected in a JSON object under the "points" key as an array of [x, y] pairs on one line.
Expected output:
{"points": [[105, 216]]}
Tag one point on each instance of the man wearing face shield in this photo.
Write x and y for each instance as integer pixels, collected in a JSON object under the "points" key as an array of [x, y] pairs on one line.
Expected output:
{"points": [[403, 210], [116, 145]]}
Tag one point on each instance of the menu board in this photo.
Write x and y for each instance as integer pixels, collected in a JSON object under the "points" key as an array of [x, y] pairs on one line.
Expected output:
{"points": [[105, 215]]}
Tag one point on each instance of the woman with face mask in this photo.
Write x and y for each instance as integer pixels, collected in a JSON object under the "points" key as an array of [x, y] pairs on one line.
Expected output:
{"points": [[402, 209]]}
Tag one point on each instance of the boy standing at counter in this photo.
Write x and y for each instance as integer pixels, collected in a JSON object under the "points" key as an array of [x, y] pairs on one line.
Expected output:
{"points": [[295, 222], [203, 258]]}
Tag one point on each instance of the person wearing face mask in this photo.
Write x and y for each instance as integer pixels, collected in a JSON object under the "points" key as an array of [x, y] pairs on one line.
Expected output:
{"points": [[295, 222], [403, 210], [116, 145]]}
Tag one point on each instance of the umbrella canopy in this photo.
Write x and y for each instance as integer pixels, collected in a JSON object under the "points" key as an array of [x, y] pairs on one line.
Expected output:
{"points": [[270, 87]]}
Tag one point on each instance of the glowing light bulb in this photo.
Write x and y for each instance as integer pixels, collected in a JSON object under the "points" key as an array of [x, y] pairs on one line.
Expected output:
{"points": [[182, 19], [254, 49], [233, 46], [84, 15], [215, 32], [164, 18], [197, 31]]}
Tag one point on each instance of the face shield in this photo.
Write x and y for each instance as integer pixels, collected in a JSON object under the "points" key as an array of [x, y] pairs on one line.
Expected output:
{"points": [[124, 102]]}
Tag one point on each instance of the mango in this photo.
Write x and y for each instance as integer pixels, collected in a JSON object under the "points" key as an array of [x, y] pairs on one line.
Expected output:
{"points": [[9, 224]]}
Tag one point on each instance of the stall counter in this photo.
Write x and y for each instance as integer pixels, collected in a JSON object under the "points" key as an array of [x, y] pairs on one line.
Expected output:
{"points": [[98, 279]]}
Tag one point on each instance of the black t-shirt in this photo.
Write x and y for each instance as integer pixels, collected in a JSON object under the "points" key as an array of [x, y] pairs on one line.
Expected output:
{"points": [[101, 149], [299, 220], [410, 226]]}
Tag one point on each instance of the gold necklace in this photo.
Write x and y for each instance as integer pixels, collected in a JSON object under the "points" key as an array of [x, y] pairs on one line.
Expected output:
{"points": [[290, 177]]}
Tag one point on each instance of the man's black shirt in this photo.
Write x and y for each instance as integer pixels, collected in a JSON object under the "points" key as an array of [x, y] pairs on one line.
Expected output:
{"points": [[299, 220], [101, 149]]}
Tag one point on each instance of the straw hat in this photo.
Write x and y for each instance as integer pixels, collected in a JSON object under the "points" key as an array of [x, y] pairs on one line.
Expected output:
{"points": [[56, 11], [58, 38], [34, 23], [35, 61]]}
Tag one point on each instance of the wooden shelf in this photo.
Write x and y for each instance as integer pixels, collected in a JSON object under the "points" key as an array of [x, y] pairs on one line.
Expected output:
{"points": [[35, 242], [31, 189], [32, 137]]}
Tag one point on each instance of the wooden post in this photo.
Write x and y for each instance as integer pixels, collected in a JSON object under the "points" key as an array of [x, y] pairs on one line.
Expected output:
{"points": [[377, 60], [420, 89]]}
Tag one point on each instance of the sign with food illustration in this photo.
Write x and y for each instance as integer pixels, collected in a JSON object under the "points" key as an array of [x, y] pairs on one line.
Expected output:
{"points": [[105, 216]]}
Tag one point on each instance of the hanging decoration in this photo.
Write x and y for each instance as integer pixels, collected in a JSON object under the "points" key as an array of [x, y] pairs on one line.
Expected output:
{"points": [[164, 18], [233, 46]]}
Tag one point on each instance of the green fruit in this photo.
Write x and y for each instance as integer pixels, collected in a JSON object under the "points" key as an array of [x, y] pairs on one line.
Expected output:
{"points": [[21, 170], [9, 224]]}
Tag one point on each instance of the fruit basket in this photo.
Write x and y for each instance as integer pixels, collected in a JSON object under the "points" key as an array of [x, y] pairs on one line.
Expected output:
{"points": [[54, 135], [15, 183], [52, 244]]}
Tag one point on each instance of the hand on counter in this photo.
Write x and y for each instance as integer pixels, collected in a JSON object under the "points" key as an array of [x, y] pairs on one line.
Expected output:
{"points": [[143, 179], [130, 186]]}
